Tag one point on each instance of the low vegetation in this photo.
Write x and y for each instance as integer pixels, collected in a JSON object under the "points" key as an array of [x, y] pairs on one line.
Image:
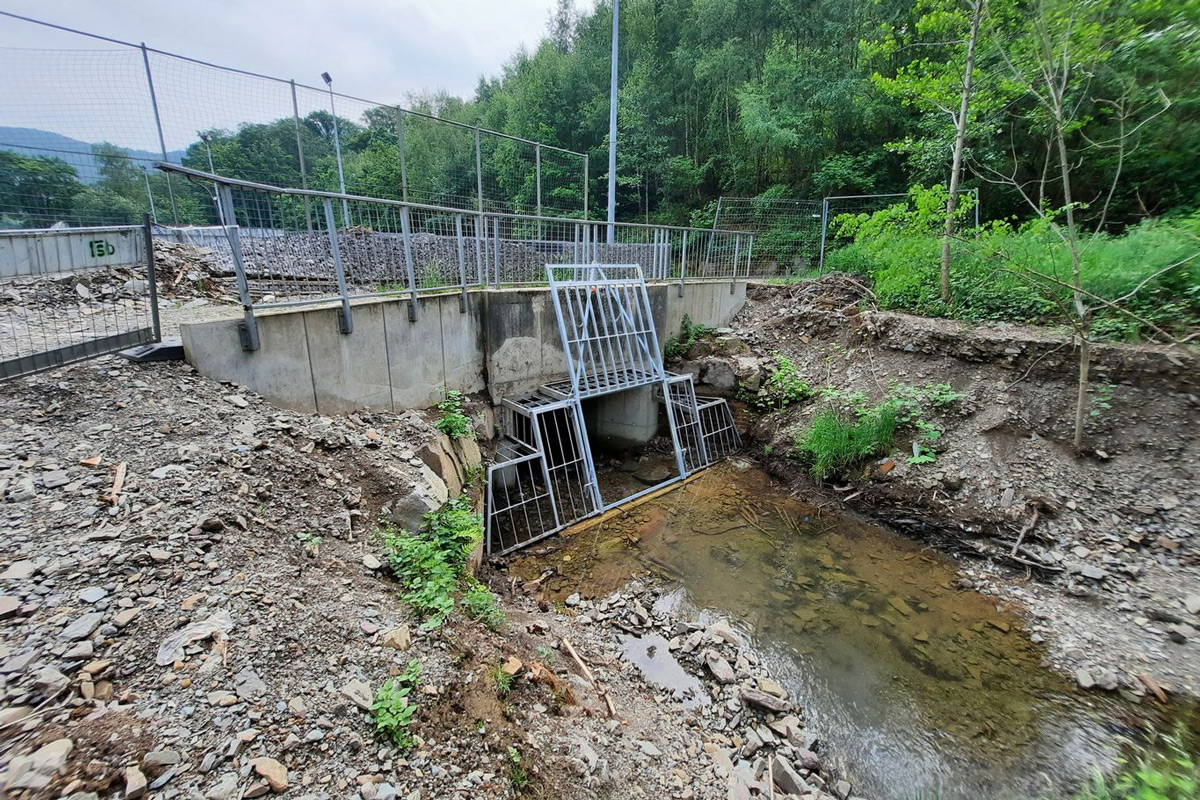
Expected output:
{"points": [[1022, 273], [783, 387], [395, 707], [453, 420], [689, 334], [431, 563], [480, 604], [852, 429], [1170, 773]]}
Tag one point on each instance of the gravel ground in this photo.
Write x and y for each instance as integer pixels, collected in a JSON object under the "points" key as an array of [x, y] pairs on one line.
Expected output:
{"points": [[193, 606]]}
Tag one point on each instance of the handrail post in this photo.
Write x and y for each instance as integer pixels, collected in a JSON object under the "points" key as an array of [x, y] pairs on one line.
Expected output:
{"points": [[248, 327], [345, 320], [462, 263], [405, 226], [737, 247], [683, 263]]}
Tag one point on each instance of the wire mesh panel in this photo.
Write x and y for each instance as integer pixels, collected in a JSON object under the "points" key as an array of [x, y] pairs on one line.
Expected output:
{"points": [[721, 437], [73, 294], [787, 231], [519, 505], [685, 418], [606, 326], [82, 123]]}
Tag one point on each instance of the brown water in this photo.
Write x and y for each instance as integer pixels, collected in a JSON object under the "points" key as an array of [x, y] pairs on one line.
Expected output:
{"points": [[916, 687]]}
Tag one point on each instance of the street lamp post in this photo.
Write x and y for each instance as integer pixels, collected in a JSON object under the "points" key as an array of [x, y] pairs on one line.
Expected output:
{"points": [[612, 130], [337, 149], [207, 139]]}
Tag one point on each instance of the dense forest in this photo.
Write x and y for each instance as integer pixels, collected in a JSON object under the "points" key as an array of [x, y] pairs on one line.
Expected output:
{"points": [[787, 98]]}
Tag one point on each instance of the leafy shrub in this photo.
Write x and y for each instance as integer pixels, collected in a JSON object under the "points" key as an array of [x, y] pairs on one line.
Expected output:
{"points": [[689, 334], [430, 563], [1171, 774], [834, 444], [783, 386], [393, 710], [480, 604], [453, 422], [997, 273]]}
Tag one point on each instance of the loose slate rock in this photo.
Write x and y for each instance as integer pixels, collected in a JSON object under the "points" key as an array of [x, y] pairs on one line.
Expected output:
{"points": [[764, 701], [82, 627]]}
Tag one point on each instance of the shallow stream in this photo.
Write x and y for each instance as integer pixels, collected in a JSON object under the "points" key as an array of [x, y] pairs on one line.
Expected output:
{"points": [[916, 688]]}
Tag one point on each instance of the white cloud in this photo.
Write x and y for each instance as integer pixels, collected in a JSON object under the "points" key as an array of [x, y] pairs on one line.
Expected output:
{"points": [[377, 49]]}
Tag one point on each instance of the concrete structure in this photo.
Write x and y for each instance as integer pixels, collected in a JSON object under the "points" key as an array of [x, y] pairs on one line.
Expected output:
{"points": [[506, 342]]}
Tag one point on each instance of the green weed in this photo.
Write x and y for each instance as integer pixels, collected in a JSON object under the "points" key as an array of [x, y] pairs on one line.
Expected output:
{"points": [[517, 777], [1172, 773], [453, 422], [502, 680], [480, 604], [834, 444], [394, 709], [783, 387], [689, 334], [431, 562]]}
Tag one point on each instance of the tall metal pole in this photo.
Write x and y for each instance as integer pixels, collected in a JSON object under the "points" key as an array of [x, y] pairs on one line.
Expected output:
{"points": [[586, 178], [162, 142], [204, 137], [337, 149], [537, 155], [300, 155], [150, 195], [403, 158], [612, 129]]}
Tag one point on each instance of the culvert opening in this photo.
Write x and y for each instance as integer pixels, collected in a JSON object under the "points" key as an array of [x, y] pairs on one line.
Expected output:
{"points": [[546, 475]]}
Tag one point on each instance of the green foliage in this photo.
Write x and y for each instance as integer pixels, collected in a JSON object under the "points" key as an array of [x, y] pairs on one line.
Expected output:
{"points": [[517, 777], [834, 443], [430, 564], [453, 422], [1170, 773], [501, 680], [689, 334], [480, 604], [395, 708], [783, 387], [996, 275]]}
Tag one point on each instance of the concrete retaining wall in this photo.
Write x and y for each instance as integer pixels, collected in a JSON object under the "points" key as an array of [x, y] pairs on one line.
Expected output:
{"points": [[506, 342]]}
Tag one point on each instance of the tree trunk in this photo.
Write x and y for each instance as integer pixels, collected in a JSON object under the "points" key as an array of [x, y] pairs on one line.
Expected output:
{"points": [[960, 138]]}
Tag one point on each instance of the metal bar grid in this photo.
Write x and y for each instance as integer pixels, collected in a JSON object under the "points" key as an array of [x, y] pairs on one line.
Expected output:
{"points": [[721, 437], [101, 298], [685, 416]]}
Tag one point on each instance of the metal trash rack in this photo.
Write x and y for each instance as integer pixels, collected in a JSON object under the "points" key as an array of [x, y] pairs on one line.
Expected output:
{"points": [[544, 478]]}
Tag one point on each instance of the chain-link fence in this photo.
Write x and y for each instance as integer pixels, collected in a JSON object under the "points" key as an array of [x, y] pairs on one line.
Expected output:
{"points": [[82, 124], [793, 236]]}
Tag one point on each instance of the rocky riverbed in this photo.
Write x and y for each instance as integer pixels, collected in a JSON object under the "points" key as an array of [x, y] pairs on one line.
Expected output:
{"points": [[193, 604]]}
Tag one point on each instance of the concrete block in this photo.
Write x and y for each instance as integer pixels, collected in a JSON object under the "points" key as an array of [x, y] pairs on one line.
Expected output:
{"points": [[279, 370], [349, 371]]}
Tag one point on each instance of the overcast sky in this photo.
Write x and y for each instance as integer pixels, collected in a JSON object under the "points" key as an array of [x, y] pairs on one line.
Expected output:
{"points": [[377, 49]]}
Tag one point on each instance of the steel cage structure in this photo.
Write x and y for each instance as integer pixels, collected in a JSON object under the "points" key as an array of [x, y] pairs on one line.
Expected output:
{"points": [[545, 477]]}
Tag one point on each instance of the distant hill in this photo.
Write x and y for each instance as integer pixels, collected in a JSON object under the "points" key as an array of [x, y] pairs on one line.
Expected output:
{"points": [[33, 142]]}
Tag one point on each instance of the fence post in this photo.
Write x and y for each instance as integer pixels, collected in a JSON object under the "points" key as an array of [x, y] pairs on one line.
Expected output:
{"points": [[403, 157], [824, 230], [300, 156], [248, 328], [586, 179], [749, 253], [405, 231], [478, 171], [976, 208], [683, 263], [345, 320], [496, 260], [737, 249], [481, 273], [151, 283], [537, 157], [162, 142], [462, 264]]}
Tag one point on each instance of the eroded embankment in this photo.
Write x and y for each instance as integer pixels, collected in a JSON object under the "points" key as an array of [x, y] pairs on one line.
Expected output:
{"points": [[1115, 529]]}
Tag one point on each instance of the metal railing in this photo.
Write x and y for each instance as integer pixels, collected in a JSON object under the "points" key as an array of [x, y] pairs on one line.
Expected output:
{"points": [[295, 247]]}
